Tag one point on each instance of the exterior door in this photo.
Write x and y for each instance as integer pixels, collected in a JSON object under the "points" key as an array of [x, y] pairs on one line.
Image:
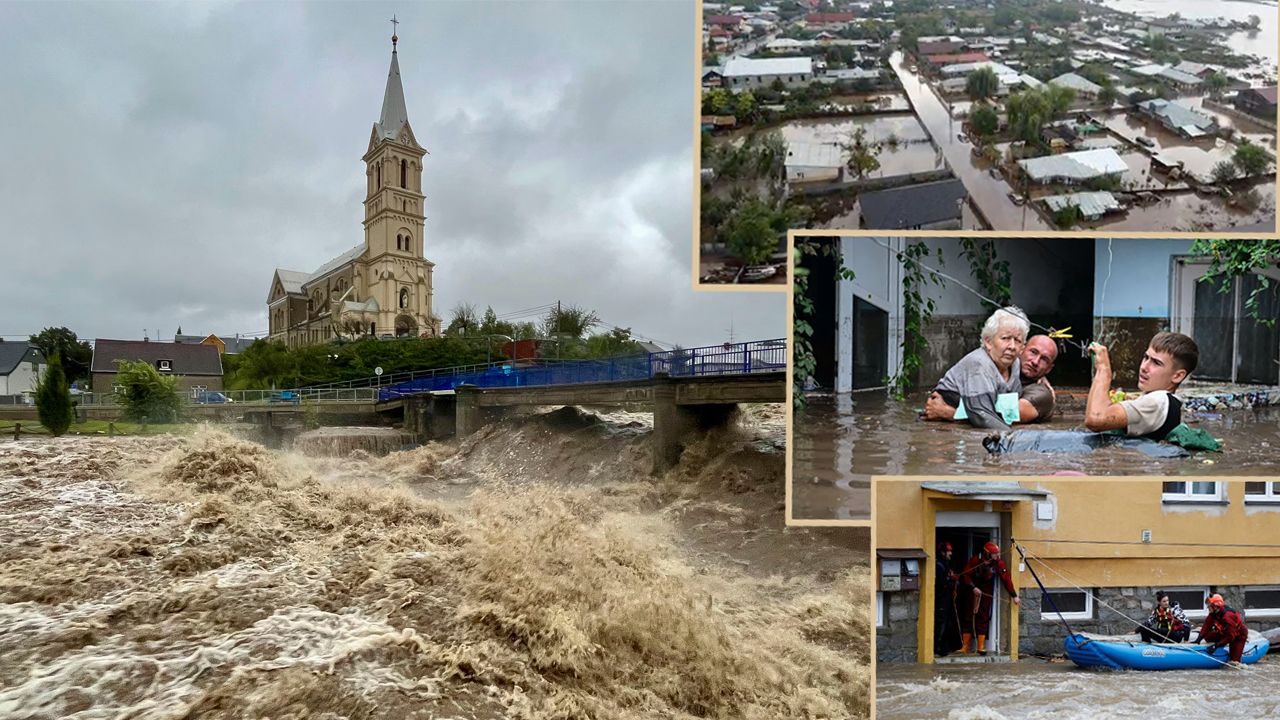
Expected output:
{"points": [[1234, 346], [968, 532]]}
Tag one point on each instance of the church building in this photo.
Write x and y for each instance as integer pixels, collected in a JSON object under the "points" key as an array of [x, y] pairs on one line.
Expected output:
{"points": [[381, 287]]}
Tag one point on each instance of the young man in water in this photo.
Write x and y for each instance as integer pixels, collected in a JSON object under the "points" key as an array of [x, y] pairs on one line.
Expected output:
{"points": [[1169, 359], [1036, 401]]}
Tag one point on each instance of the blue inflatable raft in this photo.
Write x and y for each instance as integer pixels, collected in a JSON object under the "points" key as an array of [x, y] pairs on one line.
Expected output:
{"points": [[1120, 654]]}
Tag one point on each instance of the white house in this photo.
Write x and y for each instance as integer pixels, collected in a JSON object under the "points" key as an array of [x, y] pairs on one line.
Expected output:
{"points": [[742, 73], [20, 365]]}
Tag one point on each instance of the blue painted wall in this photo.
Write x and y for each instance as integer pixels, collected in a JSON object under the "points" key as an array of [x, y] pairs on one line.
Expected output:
{"points": [[1140, 275]]}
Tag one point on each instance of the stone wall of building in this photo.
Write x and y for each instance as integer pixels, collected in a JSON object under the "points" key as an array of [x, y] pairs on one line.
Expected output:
{"points": [[896, 640]]}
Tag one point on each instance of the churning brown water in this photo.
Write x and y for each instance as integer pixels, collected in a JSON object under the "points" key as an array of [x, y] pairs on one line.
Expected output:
{"points": [[532, 571], [1037, 690]]}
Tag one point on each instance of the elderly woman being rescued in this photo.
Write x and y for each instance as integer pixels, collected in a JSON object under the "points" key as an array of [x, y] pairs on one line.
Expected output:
{"points": [[984, 385]]}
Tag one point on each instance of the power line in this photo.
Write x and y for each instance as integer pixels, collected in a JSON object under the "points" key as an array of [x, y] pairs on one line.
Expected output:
{"points": [[1139, 542]]}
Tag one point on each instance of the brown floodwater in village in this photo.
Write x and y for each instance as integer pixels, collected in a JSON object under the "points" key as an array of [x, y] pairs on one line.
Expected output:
{"points": [[534, 570], [911, 153], [988, 193], [1038, 690], [1261, 43], [878, 435]]}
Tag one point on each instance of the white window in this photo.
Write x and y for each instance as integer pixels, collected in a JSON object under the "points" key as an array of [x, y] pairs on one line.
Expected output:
{"points": [[1262, 492], [1073, 604], [1191, 599], [879, 609], [1191, 491], [1262, 601], [165, 365]]}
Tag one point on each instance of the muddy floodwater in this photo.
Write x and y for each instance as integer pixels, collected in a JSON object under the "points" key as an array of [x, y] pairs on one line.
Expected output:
{"points": [[1037, 690], [882, 436], [535, 570], [822, 436]]}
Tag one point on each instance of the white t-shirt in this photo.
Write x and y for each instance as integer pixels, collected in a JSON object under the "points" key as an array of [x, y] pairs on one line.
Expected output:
{"points": [[1146, 414]]}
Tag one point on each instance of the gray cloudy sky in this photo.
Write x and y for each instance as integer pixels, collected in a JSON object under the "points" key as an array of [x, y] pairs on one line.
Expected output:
{"points": [[161, 159]]}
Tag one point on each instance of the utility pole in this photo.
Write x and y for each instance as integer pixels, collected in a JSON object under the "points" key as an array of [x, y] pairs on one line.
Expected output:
{"points": [[559, 341]]}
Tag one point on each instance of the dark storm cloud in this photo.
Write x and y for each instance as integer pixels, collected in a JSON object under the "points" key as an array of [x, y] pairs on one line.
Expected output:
{"points": [[160, 160]]}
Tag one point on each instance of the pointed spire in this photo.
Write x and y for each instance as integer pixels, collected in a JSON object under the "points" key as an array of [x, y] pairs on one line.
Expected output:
{"points": [[394, 114]]}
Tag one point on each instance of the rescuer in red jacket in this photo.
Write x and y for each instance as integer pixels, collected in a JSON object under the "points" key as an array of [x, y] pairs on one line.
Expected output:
{"points": [[979, 576], [1224, 626]]}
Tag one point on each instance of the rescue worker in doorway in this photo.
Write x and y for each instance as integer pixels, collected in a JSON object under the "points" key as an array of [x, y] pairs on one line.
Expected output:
{"points": [[1167, 623], [946, 633], [979, 586], [1224, 626]]}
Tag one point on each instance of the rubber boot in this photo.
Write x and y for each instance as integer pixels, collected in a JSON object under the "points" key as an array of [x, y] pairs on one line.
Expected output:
{"points": [[982, 644], [965, 638]]}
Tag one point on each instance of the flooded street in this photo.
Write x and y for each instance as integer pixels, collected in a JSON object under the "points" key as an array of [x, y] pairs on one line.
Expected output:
{"points": [[988, 193], [535, 570], [1037, 690], [885, 437], [823, 435]]}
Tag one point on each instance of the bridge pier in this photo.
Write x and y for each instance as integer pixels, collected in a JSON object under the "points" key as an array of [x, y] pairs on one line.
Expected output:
{"points": [[429, 417], [469, 414], [674, 423]]}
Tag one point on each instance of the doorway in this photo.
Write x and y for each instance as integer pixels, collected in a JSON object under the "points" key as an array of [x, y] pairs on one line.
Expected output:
{"points": [[968, 532], [1234, 346]]}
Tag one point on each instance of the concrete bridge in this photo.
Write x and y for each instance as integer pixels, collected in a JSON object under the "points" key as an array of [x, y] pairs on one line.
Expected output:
{"points": [[680, 405]]}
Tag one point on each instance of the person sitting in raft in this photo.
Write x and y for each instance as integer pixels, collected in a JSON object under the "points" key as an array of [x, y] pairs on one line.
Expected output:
{"points": [[1036, 402], [1224, 626], [1169, 359], [1167, 624], [987, 381]]}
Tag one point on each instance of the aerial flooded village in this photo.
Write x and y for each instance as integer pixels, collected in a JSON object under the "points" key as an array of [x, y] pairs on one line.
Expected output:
{"points": [[1035, 116]]}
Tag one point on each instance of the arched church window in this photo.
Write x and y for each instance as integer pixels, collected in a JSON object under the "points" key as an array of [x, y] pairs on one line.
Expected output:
{"points": [[404, 173], [379, 174], [404, 298], [408, 242], [373, 328], [399, 243]]}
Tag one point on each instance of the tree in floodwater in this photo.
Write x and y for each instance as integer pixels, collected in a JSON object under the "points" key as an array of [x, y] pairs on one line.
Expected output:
{"points": [[862, 154], [53, 398], [985, 122], [1224, 172], [1235, 258], [1251, 159], [749, 232], [982, 84]]}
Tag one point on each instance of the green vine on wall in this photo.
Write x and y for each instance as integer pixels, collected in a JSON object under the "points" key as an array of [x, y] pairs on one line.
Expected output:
{"points": [[917, 311], [803, 361], [992, 274]]}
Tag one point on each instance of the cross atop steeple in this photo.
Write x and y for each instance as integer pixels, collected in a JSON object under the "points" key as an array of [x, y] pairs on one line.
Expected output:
{"points": [[394, 24]]}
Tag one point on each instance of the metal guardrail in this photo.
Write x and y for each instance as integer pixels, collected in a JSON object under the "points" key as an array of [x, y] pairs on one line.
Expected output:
{"points": [[232, 398], [728, 359]]}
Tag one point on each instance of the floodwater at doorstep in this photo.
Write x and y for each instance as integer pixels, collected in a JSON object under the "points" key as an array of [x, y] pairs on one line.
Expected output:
{"points": [[1038, 690], [887, 437], [534, 570]]}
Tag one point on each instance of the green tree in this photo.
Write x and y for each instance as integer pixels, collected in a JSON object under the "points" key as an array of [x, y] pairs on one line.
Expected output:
{"points": [[985, 122], [744, 106], [263, 365], [1224, 172], [1234, 258], [1251, 159], [74, 353], [53, 398], [569, 321], [145, 394], [862, 154], [749, 232], [1108, 95], [717, 101], [1067, 216], [982, 84], [1060, 99], [1216, 83]]}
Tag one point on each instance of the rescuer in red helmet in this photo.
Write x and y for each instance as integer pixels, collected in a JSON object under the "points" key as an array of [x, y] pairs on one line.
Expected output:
{"points": [[1224, 626], [979, 587]]}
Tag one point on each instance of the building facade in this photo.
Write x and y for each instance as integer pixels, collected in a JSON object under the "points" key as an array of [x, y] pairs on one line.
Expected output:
{"points": [[20, 366], [381, 287], [196, 366], [1101, 549]]}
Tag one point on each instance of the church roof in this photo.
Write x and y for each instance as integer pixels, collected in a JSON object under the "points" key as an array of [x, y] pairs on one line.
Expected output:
{"points": [[337, 262], [292, 280], [394, 114]]}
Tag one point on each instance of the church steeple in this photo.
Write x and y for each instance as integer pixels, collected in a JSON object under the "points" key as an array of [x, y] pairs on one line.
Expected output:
{"points": [[394, 115]]}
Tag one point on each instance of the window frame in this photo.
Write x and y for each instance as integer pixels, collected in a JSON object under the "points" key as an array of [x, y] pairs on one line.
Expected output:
{"points": [[880, 610], [1047, 613], [1267, 612], [1270, 495], [1197, 613], [1188, 497]]}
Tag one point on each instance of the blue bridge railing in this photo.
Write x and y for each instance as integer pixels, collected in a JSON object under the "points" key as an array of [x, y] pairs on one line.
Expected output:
{"points": [[728, 359]]}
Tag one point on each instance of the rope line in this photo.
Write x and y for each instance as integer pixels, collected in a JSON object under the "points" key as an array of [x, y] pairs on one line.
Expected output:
{"points": [[1139, 542]]}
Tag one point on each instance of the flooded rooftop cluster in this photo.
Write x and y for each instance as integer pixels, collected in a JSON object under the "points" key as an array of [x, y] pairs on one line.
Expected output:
{"points": [[534, 571], [1039, 117]]}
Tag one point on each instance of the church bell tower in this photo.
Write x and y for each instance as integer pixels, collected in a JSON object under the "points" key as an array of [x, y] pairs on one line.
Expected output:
{"points": [[399, 276]]}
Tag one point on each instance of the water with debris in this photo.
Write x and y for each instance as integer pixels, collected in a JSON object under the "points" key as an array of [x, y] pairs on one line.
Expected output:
{"points": [[1038, 690], [534, 570]]}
